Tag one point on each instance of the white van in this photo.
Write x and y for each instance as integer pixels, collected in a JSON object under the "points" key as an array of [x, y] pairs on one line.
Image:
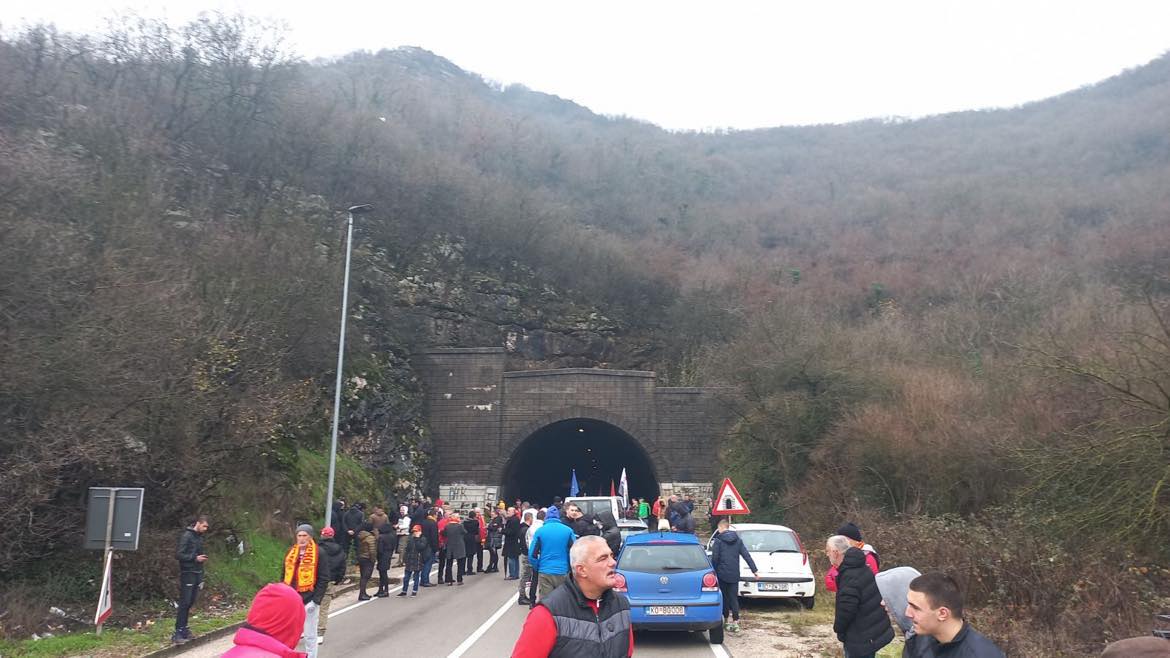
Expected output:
{"points": [[591, 506]]}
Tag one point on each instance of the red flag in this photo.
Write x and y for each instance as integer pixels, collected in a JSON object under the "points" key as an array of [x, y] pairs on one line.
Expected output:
{"points": [[612, 490]]}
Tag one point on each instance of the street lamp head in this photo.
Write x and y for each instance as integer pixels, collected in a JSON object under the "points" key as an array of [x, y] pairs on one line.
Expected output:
{"points": [[357, 210]]}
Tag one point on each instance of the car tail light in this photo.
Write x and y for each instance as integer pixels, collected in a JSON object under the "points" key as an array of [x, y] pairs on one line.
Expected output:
{"points": [[619, 582], [803, 553], [710, 583]]}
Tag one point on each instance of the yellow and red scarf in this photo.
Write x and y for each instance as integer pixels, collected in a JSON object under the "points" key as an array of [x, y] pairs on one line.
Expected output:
{"points": [[304, 570]]}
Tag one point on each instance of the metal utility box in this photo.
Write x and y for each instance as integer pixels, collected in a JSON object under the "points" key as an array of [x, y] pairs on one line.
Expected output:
{"points": [[122, 526]]}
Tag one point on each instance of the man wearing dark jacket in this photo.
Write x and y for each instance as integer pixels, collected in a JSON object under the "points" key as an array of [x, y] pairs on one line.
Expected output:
{"points": [[513, 544], [471, 544], [334, 558], [726, 550], [337, 520], [456, 536], [191, 559], [935, 605], [581, 526], [610, 531], [430, 530], [353, 520], [860, 621]]}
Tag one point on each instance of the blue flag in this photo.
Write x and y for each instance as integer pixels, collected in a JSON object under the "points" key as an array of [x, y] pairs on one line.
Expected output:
{"points": [[573, 490]]}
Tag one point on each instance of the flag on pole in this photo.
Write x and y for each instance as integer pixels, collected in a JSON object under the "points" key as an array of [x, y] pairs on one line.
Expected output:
{"points": [[573, 489], [624, 489], [106, 598], [612, 489]]}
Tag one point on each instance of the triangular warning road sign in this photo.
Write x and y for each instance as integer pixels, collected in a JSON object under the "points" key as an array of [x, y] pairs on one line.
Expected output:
{"points": [[729, 501]]}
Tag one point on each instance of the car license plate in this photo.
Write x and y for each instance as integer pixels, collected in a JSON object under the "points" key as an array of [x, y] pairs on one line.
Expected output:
{"points": [[773, 587], [665, 610]]}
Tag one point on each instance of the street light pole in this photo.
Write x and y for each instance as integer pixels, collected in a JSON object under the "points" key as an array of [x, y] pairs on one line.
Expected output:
{"points": [[353, 210]]}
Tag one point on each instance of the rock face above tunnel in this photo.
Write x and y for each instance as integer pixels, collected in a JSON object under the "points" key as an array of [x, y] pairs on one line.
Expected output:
{"points": [[480, 414]]}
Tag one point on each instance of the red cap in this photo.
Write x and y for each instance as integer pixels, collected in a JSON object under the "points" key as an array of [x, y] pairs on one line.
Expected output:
{"points": [[417, 527], [327, 531], [278, 611]]}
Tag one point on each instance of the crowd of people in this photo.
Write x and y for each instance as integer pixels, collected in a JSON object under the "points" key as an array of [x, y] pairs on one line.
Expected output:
{"points": [[564, 562]]}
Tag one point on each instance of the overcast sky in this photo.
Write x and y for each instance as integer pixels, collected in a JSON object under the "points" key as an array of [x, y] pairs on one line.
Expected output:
{"points": [[695, 65]]}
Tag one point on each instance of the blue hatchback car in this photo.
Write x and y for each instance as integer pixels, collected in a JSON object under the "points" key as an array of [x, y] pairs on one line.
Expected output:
{"points": [[670, 584]]}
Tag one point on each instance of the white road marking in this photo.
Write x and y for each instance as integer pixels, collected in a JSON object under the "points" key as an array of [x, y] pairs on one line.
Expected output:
{"points": [[483, 628], [719, 651], [371, 600]]}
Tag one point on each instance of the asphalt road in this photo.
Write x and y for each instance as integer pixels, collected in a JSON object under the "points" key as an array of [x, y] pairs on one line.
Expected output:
{"points": [[479, 619]]}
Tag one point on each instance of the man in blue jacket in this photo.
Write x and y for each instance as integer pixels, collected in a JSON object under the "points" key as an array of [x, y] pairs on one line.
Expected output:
{"points": [[726, 549], [549, 552]]}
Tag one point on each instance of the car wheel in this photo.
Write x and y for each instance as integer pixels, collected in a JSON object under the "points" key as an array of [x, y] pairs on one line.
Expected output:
{"points": [[716, 634], [808, 602]]}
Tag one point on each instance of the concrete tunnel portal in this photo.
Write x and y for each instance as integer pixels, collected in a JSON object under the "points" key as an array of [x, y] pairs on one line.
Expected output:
{"points": [[500, 433]]}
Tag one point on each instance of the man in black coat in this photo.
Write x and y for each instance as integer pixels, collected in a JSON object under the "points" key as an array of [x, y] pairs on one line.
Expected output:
{"points": [[513, 544], [430, 530], [334, 558], [191, 558], [860, 621], [353, 520], [337, 522], [472, 524], [581, 525], [935, 605]]}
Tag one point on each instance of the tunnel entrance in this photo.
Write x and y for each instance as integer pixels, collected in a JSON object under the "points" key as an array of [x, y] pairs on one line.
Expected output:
{"points": [[540, 467]]}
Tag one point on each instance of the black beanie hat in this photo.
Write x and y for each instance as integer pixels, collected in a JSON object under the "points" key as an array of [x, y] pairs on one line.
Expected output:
{"points": [[850, 530]]}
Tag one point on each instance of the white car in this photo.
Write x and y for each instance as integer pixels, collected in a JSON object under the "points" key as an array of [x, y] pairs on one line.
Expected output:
{"points": [[782, 562]]}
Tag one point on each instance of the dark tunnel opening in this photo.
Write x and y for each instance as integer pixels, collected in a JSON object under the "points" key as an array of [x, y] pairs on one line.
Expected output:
{"points": [[541, 465]]}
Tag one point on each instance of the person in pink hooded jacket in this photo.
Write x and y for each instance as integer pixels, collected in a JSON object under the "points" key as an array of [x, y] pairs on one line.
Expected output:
{"points": [[274, 625], [850, 530]]}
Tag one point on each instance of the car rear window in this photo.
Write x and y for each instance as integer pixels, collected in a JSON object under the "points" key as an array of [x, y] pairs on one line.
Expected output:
{"points": [[766, 541], [592, 508], [661, 558]]}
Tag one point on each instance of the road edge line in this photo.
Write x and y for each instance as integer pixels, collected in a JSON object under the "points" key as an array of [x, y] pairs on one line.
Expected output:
{"points": [[719, 651], [484, 627]]}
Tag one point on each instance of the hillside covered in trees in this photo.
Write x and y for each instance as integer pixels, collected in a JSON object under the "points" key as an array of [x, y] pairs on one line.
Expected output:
{"points": [[955, 330]]}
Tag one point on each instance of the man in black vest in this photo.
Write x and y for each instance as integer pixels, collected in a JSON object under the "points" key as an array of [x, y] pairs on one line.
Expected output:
{"points": [[584, 617], [860, 622]]}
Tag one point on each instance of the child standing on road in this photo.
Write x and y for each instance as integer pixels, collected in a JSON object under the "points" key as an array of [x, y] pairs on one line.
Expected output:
{"points": [[414, 557]]}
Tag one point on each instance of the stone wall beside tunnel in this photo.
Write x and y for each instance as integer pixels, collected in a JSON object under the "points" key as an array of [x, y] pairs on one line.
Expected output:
{"points": [[479, 415]]}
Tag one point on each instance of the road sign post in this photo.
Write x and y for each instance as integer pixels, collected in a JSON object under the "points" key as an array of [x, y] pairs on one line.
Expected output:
{"points": [[113, 521]]}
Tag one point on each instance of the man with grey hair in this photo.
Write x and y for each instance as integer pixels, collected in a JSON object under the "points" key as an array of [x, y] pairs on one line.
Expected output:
{"points": [[860, 621], [584, 616]]}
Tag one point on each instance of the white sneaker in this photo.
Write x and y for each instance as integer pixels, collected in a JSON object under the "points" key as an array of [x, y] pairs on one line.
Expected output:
{"points": [[321, 640]]}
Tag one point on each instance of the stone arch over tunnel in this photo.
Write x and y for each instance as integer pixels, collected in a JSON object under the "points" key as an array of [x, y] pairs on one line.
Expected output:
{"points": [[539, 465]]}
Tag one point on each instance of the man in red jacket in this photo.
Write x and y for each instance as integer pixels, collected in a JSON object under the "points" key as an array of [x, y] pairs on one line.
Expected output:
{"points": [[443, 559], [586, 596], [850, 531]]}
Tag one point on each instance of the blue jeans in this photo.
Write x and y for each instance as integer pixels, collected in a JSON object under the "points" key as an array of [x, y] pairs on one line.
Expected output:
{"points": [[426, 570], [512, 567], [407, 576]]}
